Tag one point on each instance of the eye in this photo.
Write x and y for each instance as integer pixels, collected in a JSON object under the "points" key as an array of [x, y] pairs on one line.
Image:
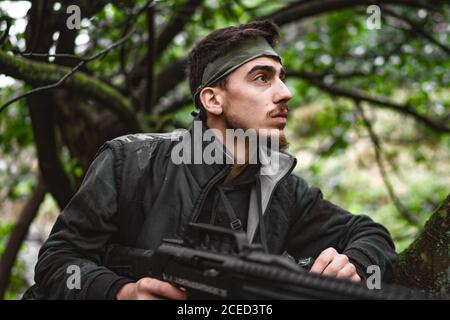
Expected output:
{"points": [[261, 78]]}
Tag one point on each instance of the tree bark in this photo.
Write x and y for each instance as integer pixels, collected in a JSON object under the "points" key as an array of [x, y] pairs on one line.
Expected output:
{"points": [[41, 108], [83, 123], [43, 123], [425, 264]]}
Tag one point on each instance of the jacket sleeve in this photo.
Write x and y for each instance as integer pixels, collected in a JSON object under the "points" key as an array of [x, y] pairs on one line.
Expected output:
{"points": [[78, 238], [321, 224]]}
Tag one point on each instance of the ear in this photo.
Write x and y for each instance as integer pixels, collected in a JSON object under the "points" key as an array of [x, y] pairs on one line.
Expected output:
{"points": [[212, 100]]}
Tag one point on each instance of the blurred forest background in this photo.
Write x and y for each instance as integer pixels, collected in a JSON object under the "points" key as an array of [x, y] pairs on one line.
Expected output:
{"points": [[370, 117]]}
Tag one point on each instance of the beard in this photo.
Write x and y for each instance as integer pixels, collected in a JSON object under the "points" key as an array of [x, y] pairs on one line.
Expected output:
{"points": [[234, 123], [283, 143]]}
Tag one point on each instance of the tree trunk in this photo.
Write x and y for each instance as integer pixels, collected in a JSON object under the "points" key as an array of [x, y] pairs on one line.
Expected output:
{"points": [[425, 264]]}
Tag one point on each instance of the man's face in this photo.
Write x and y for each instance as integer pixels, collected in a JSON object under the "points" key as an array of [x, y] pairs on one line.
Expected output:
{"points": [[256, 97]]}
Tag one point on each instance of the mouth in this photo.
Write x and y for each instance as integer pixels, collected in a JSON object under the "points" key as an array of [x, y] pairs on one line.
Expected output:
{"points": [[280, 119]]}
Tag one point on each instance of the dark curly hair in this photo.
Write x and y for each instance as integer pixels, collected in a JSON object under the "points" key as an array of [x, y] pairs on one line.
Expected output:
{"points": [[220, 41]]}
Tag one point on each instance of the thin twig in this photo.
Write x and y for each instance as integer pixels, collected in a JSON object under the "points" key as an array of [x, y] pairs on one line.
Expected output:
{"points": [[136, 12], [317, 81], [134, 15], [98, 55], [379, 159], [50, 55], [417, 29], [6, 32]]}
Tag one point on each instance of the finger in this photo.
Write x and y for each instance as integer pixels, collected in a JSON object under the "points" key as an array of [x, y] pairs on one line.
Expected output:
{"points": [[147, 296], [338, 263], [356, 278], [323, 260], [161, 289], [347, 271], [168, 291]]}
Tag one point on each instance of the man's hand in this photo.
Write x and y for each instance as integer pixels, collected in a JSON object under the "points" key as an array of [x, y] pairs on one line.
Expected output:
{"points": [[331, 263], [150, 289]]}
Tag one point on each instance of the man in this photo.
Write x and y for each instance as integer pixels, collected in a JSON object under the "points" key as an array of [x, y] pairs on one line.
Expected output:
{"points": [[137, 192]]}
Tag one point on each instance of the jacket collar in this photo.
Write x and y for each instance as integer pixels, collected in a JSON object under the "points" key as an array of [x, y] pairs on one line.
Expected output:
{"points": [[199, 141]]}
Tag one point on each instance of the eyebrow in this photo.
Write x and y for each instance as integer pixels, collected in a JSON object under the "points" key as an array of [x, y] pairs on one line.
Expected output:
{"points": [[267, 68]]}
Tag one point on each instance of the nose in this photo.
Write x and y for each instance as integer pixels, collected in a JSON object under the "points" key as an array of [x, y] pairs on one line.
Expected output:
{"points": [[282, 93]]}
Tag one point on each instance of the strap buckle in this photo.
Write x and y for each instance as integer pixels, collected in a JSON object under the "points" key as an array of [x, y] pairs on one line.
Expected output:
{"points": [[236, 224]]}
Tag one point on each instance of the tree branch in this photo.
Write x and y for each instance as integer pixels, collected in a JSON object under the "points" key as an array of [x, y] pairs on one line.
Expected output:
{"points": [[83, 61], [305, 9], [176, 25], [6, 32], [58, 182], [171, 29], [41, 110], [40, 73], [129, 22], [173, 105], [151, 52], [379, 159], [315, 80], [19, 233], [167, 79], [417, 29]]}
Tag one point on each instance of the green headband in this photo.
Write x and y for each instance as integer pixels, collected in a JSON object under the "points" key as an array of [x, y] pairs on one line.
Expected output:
{"points": [[246, 51]]}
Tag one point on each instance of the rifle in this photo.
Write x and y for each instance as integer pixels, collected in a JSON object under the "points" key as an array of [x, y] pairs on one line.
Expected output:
{"points": [[218, 263]]}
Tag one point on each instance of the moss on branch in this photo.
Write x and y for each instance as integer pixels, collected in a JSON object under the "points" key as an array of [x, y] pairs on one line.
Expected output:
{"points": [[41, 73]]}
